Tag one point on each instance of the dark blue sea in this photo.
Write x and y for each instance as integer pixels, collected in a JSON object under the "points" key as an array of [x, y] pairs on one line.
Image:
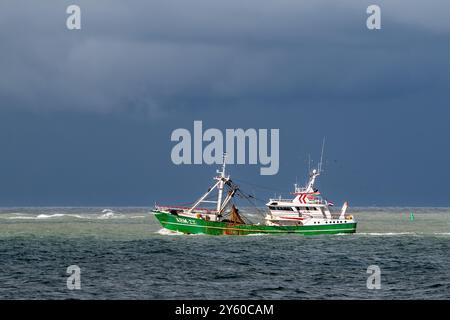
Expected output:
{"points": [[122, 253]]}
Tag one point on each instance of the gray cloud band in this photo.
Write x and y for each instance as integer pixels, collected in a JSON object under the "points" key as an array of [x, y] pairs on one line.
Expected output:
{"points": [[152, 57]]}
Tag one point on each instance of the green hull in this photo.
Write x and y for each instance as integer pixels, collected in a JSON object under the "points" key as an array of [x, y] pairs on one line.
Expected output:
{"points": [[200, 226]]}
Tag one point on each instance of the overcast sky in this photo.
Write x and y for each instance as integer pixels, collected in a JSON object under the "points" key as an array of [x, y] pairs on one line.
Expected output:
{"points": [[86, 115]]}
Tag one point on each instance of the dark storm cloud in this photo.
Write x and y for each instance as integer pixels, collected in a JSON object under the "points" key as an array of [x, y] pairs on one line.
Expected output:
{"points": [[86, 116], [156, 56]]}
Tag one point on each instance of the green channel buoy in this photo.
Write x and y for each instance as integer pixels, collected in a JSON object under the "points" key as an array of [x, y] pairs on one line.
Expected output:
{"points": [[411, 216]]}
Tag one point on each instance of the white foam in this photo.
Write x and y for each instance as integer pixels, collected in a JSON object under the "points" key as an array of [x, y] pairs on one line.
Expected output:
{"points": [[48, 216], [77, 216], [384, 233], [21, 218], [57, 215], [166, 232], [108, 214]]}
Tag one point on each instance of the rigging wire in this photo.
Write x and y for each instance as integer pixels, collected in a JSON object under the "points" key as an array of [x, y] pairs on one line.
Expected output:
{"points": [[247, 197], [250, 198], [261, 186]]}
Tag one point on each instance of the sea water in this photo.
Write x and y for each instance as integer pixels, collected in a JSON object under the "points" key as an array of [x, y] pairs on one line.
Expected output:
{"points": [[123, 253]]}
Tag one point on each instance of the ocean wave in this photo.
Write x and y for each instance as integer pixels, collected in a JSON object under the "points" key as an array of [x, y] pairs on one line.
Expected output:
{"points": [[385, 233], [47, 216], [59, 215], [110, 214], [43, 216], [115, 216], [107, 213], [21, 218]]}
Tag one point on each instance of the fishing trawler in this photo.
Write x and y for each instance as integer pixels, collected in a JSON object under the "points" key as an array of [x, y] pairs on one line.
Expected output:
{"points": [[307, 213]]}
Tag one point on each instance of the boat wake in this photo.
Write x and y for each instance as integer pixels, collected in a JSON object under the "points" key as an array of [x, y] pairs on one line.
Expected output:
{"points": [[166, 232]]}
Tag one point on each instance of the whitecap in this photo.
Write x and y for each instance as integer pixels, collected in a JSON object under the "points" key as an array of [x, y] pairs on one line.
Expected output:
{"points": [[22, 218], [47, 216], [77, 216], [107, 213], [57, 215], [384, 233]]}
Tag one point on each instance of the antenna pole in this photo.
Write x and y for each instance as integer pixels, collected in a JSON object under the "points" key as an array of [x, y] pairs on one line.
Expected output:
{"points": [[309, 164], [319, 169], [221, 183]]}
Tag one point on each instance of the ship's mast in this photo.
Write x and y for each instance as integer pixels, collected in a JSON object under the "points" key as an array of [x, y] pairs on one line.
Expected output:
{"points": [[312, 180], [221, 183], [315, 173], [319, 167]]}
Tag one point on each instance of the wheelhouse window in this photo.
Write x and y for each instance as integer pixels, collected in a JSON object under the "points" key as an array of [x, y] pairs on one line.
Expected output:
{"points": [[280, 208]]}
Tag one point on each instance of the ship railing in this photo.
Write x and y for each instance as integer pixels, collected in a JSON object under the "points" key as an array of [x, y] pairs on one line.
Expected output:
{"points": [[301, 190], [184, 208], [281, 200], [315, 201]]}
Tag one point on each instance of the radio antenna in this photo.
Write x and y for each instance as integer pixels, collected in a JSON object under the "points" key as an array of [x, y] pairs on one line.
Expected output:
{"points": [[309, 163], [319, 168]]}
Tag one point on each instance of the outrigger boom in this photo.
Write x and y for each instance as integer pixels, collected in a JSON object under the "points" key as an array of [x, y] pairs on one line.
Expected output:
{"points": [[222, 180]]}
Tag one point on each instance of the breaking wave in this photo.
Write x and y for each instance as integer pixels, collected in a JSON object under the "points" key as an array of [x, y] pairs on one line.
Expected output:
{"points": [[107, 213], [47, 216], [58, 215], [385, 233]]}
